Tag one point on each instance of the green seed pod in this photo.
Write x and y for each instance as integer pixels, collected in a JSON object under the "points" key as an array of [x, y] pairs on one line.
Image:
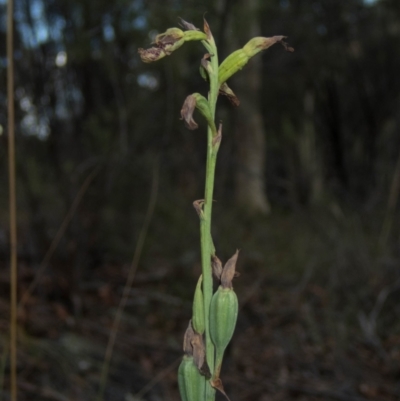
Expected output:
{"points": [[223, 316], [255, 45], [232, 64], [239, 58], [192, 384], [198, 308]]}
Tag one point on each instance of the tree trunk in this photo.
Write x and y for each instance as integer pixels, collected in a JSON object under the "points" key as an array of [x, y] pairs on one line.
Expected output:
{"points": [[250, 138], [308, 154]]}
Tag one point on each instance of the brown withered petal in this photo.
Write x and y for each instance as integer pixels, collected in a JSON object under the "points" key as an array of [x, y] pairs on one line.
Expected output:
{"points": [[287, 47], [265, 43], [188, 26], [171, 47], [168, 38], [187, 339], [228, 271], [198, 205], [187, 112], [270, 41], [207, 30], [152, 54], [217, 139], [259, 43], [199, 350], [217, 384], [199, 355], [276, 39], [225, 90], [216, 266], [205, 63]]}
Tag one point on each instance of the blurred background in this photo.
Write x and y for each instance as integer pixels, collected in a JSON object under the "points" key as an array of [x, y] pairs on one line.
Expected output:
{"points": [[307, 186]]}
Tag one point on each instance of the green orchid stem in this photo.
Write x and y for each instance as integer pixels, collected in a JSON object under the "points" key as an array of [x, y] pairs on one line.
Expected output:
{"points": [[207, 246], [218, 364]]}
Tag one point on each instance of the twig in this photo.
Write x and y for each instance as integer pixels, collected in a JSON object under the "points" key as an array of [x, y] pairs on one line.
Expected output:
{"points": [[12, 201], [156, 379], [369, 323], [45, 392], [59, 235], [129, 281]]}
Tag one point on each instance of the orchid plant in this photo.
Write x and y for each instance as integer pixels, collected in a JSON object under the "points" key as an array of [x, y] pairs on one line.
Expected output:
{"points": [[214, 313]]}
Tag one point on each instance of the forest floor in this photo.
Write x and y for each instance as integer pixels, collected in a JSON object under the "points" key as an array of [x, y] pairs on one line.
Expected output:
{"points": [[315, 333]]}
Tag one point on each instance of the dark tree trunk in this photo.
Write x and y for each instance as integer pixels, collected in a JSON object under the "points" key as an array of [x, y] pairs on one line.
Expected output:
{"points": [[336, 135], [249, 130]]}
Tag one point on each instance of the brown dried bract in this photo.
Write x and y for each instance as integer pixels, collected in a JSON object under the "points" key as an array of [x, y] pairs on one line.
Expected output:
{"points": [[204, 61], [287, 47], [225, 90], [188, 26], [276, 39], [199, 352], [217, 384], [199, 355], [187, 340], [217, 139], [198, 205], [229, 271], [187, 112], [207, 30], [216, 266], [270, 41]]}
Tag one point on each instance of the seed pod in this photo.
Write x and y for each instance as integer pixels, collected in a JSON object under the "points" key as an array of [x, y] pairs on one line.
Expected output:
{"points": [[192, 384], [198, 308], [239, 58], [232, 64], [255, 45], [223, 316]]}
